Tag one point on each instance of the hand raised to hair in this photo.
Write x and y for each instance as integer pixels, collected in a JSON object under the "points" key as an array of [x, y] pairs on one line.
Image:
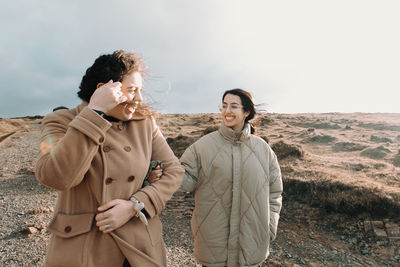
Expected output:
{"points": [[107, 96]]}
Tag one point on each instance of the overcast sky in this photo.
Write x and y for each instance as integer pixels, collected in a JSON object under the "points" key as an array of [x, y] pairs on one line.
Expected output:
{"points": [[293, 56]]}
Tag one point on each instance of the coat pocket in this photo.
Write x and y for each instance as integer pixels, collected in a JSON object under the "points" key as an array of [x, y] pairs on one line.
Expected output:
{"points": [[155, 230], [68, 243]]}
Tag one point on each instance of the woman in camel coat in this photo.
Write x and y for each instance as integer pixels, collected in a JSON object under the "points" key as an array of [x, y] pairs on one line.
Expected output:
{"points": [[97, 155]]}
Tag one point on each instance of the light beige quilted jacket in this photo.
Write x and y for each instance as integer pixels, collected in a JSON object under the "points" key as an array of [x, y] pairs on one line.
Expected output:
{"points": [[236, 180]]}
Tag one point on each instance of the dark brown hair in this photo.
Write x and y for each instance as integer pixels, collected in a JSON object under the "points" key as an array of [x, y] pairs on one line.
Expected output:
{"points": [[247, 103], [109, 67]]}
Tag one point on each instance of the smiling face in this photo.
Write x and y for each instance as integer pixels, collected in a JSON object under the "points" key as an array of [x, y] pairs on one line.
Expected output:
{"points": [[132, 87], [232, 112]]}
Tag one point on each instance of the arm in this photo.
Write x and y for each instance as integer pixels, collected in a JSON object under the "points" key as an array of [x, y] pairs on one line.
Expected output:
{"points": [[158, 193], [68, 147], [189, 163], [117, 212], [275, 194]]}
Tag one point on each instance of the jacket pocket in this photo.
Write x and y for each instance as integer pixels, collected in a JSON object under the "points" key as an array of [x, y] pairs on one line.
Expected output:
{"points": [[68, 243], [155, 230]]}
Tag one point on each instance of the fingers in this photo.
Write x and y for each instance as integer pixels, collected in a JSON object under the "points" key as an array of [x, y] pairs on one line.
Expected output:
{"points": [[153, 179], [108, 205], [117, 93], [114, 214], [104, 223], [107, 96], [122, 99], [105, 226], [101, 216], [155, 174]]}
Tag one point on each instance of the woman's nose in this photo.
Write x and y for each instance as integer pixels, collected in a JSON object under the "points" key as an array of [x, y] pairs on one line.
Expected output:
{"points": [[138, 97]]}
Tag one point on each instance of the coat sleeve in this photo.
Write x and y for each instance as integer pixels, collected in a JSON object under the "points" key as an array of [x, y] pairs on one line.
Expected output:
{"points": [[275, 194], [158, 193], [189, 162], [67, 147]]}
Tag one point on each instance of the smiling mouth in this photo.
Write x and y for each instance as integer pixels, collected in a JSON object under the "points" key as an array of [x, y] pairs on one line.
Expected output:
{"points": [[135, 103]]}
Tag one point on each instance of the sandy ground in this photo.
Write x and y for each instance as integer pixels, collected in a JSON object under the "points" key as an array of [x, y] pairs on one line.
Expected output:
{"points": [[341, 199]]}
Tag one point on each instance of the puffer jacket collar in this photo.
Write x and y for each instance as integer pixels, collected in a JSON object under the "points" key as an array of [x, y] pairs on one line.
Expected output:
{"points": [[235, 136]]}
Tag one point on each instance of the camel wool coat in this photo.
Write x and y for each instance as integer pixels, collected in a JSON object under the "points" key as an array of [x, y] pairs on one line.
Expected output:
{"points": [[91, 161]]}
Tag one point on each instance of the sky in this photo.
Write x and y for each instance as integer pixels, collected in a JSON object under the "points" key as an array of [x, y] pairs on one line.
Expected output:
{"points": [[293, 56]]}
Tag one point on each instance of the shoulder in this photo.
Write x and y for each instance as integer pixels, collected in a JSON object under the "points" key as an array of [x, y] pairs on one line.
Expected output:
{"points": [[258, 140], [204, 148], [145, 124], [208, 139], [259, 145], [61, 116]]}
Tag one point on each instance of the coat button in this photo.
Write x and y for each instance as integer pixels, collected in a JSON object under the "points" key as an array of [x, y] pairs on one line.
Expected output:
{"points": [[109, 180], [106, 149], [131, 178], [67, 229], [101, 139], [127, 148], [121, 127]]}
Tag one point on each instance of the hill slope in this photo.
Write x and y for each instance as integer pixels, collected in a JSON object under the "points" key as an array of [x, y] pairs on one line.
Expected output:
{"points": [[341, 198]]}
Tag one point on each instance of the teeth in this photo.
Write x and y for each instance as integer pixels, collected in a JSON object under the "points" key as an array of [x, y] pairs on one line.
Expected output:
{"points": [[229, 118]]}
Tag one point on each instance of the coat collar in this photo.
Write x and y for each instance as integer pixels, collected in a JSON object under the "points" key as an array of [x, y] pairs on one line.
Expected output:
{"points": [[236, 136], [136, 117]]}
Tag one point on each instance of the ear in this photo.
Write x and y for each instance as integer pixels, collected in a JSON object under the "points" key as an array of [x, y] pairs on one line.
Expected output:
{"points": [[99, 84], [246, 114]]}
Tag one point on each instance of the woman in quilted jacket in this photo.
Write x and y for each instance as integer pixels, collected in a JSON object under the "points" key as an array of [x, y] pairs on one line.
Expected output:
{"points": [[237, 185]]}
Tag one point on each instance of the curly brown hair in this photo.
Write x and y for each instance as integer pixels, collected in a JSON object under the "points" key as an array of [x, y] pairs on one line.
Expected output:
{"points": [[110, 67]]}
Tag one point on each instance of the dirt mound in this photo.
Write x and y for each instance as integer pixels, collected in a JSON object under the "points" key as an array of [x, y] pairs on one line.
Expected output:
{"points": [[356, 166], [339, 197], [7, 126], [284, 150], [375, 153], [396, 160], [317, 125], [377, 139], [180, 143], [4, 136], [320, 139], [348, 147], [210, 129], [265, 121], [379, 126], [266, 139]]}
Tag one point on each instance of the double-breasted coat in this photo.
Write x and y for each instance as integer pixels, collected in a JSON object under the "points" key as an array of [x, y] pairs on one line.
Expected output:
{"points": [[91, 161]]}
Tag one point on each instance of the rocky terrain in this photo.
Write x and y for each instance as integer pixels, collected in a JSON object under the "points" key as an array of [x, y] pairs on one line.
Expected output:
{"points": [[341, 177]]}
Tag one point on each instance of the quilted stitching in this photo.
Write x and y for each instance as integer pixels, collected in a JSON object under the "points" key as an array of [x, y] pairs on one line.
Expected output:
{"points": [[249, 154]]}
